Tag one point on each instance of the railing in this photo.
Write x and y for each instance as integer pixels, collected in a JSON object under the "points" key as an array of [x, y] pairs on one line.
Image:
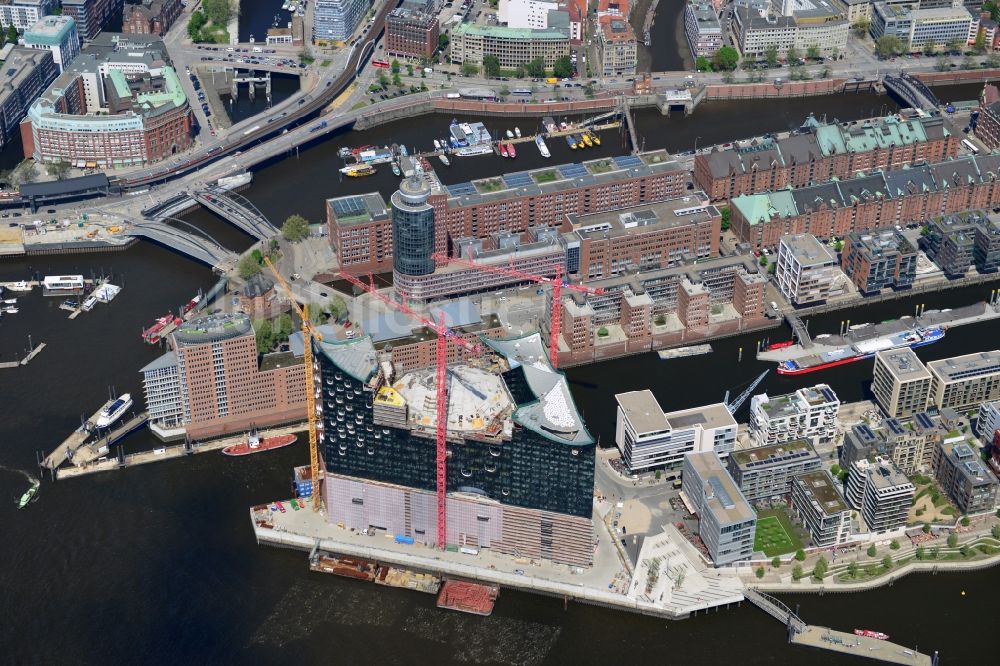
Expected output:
{"points": [[775, 608]]}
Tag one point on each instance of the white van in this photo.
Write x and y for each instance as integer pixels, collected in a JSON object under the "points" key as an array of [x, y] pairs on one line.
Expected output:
{"points": [[257, 49]]}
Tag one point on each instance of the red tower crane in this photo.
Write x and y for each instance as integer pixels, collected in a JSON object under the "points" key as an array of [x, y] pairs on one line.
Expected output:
{"points": [[444, 334], [558, 284]]}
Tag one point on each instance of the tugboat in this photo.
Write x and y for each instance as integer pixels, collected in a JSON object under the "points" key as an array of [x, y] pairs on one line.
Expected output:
{"points": [[28, 495], [254, 444]]}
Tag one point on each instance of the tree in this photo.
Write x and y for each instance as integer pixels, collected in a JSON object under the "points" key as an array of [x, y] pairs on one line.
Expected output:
{"points": [[888, 46], [217, 11], [12, 34], [468, 69], [887, 562], [395, 66], [771, 55], [443, 40], [535, 68], [861, 26], [926, 529], [995, 531], [26, 172], [247, 267], [588, 90], [930, 46], [894, 545], [800, 555], [763, 260], [793, 55], [968, 63], [703, 64], [725, 213], [819, 571], [265, 336], [812, 52], [934, 552], [955, 46], [965, 521], [396, 81], [295, 228], [195, 24], [409, 69], [726, 59], [872, 550], [952, 540], [920, 553], [941, 64], [991, 7], [58, 170], [562, 68], [760, 572], [852, 569], [504, 92], [797, 572], [337, 307], [285, 326], [491, 66], [775, 562]]}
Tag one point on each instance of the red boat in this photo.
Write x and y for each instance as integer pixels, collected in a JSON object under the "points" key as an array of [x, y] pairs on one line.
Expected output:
{"points": [[868, 633], [780, 345], [511, 151], [192, 303], [503, 149], [254, 444], [153, 334]]}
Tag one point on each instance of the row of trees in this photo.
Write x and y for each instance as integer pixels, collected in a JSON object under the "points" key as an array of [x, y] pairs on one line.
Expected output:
{"points": [[562, 68], [888, 46], [725, 60]]}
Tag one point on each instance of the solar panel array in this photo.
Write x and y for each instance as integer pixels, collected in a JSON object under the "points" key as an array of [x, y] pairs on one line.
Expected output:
{"points": [[627, 161], [461, 189], [828, 394], [894, 426], [348, 206], [924, 420], [572, 170], [519, 179], [865, 431]]}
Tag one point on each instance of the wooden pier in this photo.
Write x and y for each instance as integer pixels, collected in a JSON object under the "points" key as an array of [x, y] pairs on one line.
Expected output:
{"points": [[860, 646], [98, 447], [24, 361], [64, 451]]}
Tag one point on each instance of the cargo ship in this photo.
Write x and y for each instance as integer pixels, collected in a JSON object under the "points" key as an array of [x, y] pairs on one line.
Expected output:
{"points": [[254, 444], [859, 351]]}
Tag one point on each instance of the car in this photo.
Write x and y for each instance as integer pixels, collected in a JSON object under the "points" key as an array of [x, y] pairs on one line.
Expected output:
{"points": [[281, 508], [519, 572]]}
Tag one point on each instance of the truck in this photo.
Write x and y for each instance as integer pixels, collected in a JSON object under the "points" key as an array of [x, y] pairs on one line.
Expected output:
{"points": [[318, 127]]}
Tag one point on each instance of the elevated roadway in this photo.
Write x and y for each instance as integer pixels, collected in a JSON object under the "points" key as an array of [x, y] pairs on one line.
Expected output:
{"points": [[204, 250], [237, 210]]}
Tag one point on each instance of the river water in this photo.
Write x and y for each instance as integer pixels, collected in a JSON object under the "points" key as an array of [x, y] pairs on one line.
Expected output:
{"points": [[158, 564]]}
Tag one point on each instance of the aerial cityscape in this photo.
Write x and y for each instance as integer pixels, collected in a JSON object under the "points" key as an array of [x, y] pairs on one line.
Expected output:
{"points": [[504, 302]]}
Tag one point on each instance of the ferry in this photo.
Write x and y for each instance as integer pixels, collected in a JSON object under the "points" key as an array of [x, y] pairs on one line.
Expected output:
{"points": [[502, 148], [444, 159], [517, 132], [254, 444], [542, 148], [593, 137], [114, 411], [571, 141], [358, 170], [510, 150], [917, 337], [468, 151], [868, 633], [28, 495], [19, 286]]}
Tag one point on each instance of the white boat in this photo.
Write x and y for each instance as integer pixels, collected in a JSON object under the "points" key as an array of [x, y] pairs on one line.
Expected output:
{"points": [[542, 148], [683, 352], [510, 135], [89, 304], [114, 411], [517, 132], [437, 145], [19, 286], [468, 151], [444, 159], [10, 301], [10, 309], [107, 292]]}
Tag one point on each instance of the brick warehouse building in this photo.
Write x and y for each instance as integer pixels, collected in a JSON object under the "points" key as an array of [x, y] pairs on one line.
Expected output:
{"points": [[412, 30], [151, 17], [880, 199], [361, 230], [520, 474], [821, 152]]}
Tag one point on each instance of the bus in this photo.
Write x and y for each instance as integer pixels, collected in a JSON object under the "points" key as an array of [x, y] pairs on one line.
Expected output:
{"points": [[380, 63], [521, 91], [971, 146]]}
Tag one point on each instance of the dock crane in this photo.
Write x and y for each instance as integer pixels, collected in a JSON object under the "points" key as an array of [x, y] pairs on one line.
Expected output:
{"points": [[444, 334], [558, 284], [309, 333], [742, 397]]}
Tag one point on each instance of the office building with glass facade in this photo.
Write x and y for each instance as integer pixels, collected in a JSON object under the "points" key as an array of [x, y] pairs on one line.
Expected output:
{"points": [[412, 229], [335, 20]]}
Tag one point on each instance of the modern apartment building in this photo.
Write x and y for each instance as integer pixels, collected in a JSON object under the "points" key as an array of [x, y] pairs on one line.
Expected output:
{"points": [[213, 382], [963, 382], [27, 73], [821, 508], [412, 29], [648, 439], [900, 382], [766, 472], [513, 47], [22, 14], [910, 444], [616, 47], [808, 413], [702, 28], [869, 201], [820, 152], [956, 243], [879, 259], [335, 20], [151, 17], [726, 521], [806, 271], [118, 104], [92, 16], [816, 23], [989, 421], [916, 27], [56, 34], [881, 493], [520, 474], [966, 479]]}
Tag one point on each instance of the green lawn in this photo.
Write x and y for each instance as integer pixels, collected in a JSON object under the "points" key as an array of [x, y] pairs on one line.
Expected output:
{"points": [[773, 535]]}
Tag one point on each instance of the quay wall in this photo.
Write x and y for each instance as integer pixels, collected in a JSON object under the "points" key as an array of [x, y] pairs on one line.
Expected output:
{"points": [[958, 76], [71, 247]]}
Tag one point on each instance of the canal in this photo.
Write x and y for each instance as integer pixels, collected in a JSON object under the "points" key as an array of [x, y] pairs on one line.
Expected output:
{"points": [[158, 564]]}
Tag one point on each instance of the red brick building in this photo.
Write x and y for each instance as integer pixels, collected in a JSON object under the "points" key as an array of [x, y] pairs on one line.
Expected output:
{"points": [[150, 17], [412, 30], [988, 124], [819, 153], [882, 199]]}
